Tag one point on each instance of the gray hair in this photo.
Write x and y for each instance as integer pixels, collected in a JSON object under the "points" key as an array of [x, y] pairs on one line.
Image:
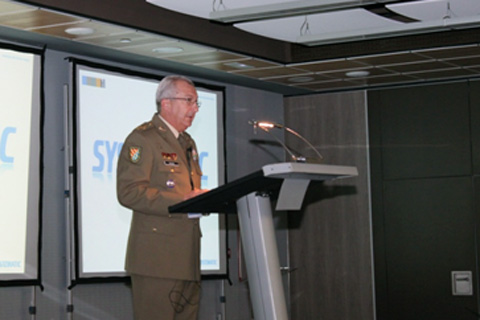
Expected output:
{"points": [[166, 88]]}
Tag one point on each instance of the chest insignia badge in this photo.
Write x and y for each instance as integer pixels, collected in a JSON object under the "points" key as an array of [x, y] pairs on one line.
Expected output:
{"points": [[194, 155], [170, 184], [169, 156]]}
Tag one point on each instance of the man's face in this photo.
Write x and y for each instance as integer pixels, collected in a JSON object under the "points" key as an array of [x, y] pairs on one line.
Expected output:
{"points": [[182, 108]]}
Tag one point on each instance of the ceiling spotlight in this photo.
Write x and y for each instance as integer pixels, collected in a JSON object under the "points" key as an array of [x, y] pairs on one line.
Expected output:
{"points": [[238, 65], [80, 31], [125, 40], [164, 50], [300, 79], [357, 74]]}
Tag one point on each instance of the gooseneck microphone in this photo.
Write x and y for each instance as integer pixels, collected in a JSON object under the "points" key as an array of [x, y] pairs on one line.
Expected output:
{"points": [[267, 126]]}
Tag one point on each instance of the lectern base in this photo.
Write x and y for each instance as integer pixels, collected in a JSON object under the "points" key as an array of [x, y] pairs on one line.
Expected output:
{"points": [[261, 257]]}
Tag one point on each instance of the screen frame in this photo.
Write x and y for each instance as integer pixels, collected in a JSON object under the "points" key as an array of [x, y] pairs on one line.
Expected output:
{"points": [[76, 273], [33, 245]]}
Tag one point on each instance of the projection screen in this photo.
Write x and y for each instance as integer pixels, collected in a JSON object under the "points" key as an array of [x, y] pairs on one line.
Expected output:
{"points": [[108, 105], [20, 158]]}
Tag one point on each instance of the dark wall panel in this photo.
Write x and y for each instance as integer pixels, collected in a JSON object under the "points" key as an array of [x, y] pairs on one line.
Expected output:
{"points": [[475, 107], [423, 213], [425, 130], [430, 231], [476, 190], [376, 191]]}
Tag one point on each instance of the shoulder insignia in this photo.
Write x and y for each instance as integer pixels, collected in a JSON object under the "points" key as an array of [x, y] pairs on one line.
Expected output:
{"points": [[145, 126]]}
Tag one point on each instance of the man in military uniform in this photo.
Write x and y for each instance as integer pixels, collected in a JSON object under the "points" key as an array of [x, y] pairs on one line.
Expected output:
{"points": [[158, 167]]}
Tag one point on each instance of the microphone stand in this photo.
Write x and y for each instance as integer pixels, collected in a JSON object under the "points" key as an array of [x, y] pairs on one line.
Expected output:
{"points": [[266, 126]]}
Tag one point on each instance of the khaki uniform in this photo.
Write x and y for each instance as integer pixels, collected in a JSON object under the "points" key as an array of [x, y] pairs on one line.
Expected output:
{"points": [[153, 174]]}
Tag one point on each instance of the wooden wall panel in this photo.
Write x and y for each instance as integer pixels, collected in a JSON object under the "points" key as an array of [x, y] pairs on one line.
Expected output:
{"points": [[330, 247]]}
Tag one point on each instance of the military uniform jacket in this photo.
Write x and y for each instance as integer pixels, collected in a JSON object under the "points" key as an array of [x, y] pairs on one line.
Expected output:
{"points": [[153, 174]]}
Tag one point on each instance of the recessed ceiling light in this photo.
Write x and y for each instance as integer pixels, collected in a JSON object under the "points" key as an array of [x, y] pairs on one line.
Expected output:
{"points": [[238, 65], [357, 74], [125, 40], [79, 31], [300, 79], [167, 50]]}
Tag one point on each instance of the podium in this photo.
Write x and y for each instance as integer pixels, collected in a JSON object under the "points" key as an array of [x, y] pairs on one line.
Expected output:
{"points": [[250, 198]]}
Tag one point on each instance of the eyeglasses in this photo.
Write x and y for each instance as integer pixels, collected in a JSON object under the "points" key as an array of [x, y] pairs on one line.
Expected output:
{"points": [[189, 101]]}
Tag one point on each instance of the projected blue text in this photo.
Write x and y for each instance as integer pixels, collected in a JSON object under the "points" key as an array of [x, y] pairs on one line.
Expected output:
{"points": [[4, 140], [106, 153]]}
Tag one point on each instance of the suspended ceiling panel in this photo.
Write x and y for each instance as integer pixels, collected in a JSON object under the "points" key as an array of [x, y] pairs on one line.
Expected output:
{"points": [[315, 74]]}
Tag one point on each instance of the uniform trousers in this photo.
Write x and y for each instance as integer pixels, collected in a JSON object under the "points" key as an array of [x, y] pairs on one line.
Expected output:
{"points": [[165, 299]]}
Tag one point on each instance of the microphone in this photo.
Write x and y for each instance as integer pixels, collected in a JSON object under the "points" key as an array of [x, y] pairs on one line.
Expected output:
{"points": [[267, 126]]}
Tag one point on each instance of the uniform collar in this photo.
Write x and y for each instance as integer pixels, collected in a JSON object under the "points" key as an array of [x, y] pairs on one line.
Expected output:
{"points": [[174, 131]]}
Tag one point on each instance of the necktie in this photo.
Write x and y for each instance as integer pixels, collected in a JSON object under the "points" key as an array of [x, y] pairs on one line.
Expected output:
{"points": [[188, 151], [183, 141]]}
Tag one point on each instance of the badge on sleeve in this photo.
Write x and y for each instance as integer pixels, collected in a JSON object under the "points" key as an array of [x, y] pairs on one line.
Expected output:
{"points": [[135, 154]]}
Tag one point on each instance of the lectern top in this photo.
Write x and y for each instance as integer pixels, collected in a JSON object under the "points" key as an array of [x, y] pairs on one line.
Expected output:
{"points": [[310, 171], [270, 178]]}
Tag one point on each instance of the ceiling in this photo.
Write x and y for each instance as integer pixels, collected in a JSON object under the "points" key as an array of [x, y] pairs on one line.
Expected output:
{"points": [[266, 53], [331, 21]]}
